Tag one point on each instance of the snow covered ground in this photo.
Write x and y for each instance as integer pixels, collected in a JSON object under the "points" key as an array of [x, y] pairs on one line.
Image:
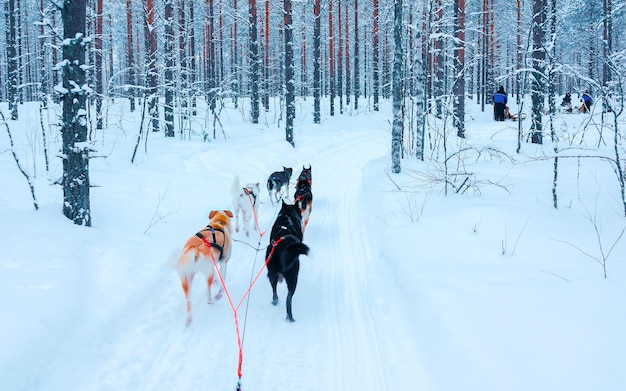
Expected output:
{"points": [[405, 288]]}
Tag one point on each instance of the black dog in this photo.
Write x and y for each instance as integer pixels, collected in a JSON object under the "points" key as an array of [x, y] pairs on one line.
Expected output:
{"points": [[284, 251], [277, 181], [305, 176], [304, 195]]}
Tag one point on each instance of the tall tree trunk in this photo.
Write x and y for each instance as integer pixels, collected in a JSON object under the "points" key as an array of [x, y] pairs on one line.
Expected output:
{"points": [[76, 204], [459, 11], [316, 62], [518, 63], [607, 47], [289, 74], [168, 47], [130, 58], [421, 90], [340, 57], [357, 84], [13, 69], [152, 76], [591, 11], [396, 132], [266, 69], [192, 73], [43, 82], [254, 63], [183, 93], [331, 55], [538, 79], [236, 63], [376, 81], [210, 60], [98, 67], [347, 54], [303, 59]]}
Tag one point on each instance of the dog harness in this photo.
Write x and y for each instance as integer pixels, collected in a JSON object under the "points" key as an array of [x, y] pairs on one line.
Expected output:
{"points": [[291, 227], [214, 243], [249, 192]]}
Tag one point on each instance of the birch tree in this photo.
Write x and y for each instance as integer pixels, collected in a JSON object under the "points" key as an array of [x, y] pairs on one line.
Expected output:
{"points": [[396, 132]]}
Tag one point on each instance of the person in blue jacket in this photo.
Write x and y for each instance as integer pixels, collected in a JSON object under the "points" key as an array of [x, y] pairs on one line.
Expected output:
{"points": [[587, 102], [499, 104]]}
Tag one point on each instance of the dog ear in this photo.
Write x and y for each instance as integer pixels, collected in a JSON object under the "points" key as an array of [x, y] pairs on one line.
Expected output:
{"points": [[212, 213], [228, 213]]}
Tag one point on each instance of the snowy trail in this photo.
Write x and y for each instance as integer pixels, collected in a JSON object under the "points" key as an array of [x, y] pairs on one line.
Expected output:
{"points": [[145, 346], [342, 251]]}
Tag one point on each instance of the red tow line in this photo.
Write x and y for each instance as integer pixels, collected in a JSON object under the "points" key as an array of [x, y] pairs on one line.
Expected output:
{"points": [[236, 308]]}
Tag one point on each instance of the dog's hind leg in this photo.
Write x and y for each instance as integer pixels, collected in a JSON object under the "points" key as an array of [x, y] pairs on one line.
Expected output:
{"points": [[209, 282], [274, 282], [292, 282], [186, 283], [246, 223], [223, 267], [236, 219]]}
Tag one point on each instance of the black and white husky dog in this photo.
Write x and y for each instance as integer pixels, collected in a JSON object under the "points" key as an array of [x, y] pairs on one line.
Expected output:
{"points": [[278, 183]]}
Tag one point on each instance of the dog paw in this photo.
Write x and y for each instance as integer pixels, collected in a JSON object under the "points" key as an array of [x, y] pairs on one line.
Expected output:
{"points": [[219, 295], [290, 319], [275, 301], [188, 322]]}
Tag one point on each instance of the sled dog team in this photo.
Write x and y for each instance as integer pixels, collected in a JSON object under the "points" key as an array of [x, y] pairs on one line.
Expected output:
{"points": [[210, 247]]}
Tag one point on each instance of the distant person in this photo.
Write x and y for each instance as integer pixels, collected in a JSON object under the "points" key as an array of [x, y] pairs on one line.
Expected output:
{"points": [[499, 104], [587, 102], [567, 102]]}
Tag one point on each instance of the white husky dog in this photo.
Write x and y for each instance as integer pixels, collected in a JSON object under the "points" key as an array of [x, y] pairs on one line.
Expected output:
{"points": [[246, 201]]}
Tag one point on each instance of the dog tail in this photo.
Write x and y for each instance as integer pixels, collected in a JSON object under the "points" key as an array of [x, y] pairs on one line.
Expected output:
{"points": [[295, 247], [172, 260], [299, 249], [235, 188]]}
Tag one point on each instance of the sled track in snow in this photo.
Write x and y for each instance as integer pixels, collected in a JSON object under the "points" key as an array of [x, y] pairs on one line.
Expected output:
{"points": [[341, 253]]}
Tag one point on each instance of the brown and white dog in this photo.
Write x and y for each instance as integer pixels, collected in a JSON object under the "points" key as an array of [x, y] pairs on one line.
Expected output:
{"points": [[211, 243], [246, 202]]}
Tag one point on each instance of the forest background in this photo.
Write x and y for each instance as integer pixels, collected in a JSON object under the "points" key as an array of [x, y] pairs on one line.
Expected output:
{"points": [[427, 57]]}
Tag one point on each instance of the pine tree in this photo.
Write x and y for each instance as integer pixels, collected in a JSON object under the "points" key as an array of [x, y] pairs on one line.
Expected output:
{"points": [[289, 74], [254, 63], [76, 204]]}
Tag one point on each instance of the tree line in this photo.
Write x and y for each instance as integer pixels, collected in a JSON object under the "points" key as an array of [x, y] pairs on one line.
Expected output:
{"points": [[163, 56]]}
